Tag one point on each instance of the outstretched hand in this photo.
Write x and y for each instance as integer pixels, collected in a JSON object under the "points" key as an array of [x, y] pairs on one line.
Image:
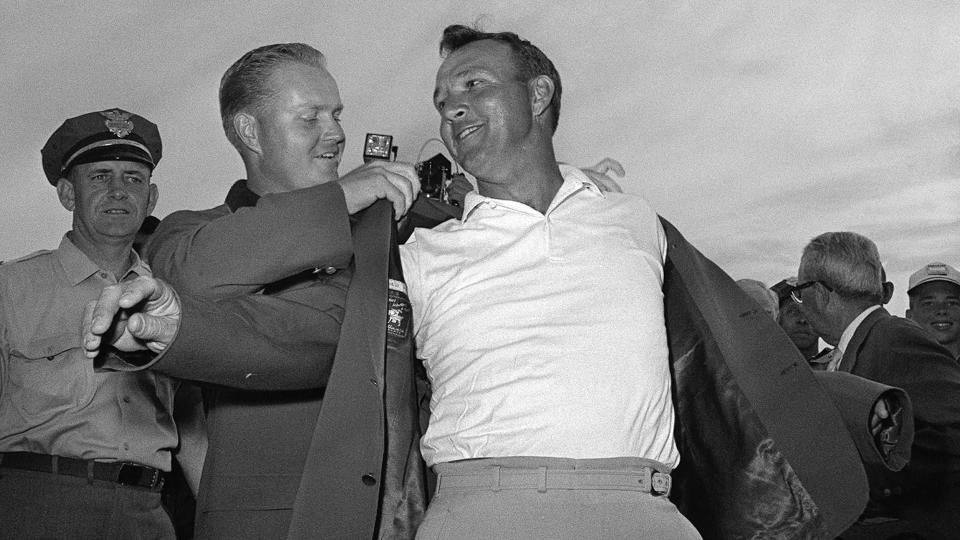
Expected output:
{"points": [[142, 314]]}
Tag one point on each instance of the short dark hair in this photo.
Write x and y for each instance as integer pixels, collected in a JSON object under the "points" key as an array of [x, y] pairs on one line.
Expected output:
{"points": [[529, 59], [246, 84]]}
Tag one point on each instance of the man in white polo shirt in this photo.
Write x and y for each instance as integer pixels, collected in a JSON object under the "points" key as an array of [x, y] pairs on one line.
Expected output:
{"points": [[527, 315]]}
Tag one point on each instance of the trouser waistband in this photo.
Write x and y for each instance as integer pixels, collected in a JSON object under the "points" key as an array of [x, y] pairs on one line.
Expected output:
{"points": [[542, 474]]}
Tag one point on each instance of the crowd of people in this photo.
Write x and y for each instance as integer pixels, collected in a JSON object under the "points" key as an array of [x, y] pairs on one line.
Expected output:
{"points": [[551, 359]]}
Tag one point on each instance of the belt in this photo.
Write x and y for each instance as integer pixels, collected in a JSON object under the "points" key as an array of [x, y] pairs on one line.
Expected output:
{"points": [[125, 474], [644, 480]]}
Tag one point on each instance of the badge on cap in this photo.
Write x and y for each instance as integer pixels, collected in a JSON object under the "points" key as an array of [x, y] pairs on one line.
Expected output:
{"points": [[118, 122], [937, 270]]}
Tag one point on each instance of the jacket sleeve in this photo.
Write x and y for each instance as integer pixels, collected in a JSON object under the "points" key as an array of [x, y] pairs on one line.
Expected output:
{"points": [[252, 342], [219, 254], [219, 262], [855, 398]]}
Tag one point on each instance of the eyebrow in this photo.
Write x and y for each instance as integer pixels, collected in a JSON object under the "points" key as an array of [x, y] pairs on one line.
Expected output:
{"points": [[458, 75]]}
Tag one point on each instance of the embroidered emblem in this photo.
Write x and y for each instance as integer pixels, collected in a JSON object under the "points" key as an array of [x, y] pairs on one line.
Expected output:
{"points": [[398, 310], [118, 122]]}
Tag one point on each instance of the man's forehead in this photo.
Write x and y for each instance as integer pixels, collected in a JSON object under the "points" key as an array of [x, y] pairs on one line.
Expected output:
{"points": [[305, 85], [938, 287]]}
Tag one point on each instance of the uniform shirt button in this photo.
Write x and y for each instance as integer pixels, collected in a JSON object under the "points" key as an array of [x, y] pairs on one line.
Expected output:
{"points": [[103, 275], [368, 479], [330, 270], [126, 446], [373, 382], [126, 399]]}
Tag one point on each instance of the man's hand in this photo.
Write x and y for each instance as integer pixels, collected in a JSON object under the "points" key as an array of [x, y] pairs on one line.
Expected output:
{"points": [[132, 316], [392, 180], [457, 190], [599, 174]]}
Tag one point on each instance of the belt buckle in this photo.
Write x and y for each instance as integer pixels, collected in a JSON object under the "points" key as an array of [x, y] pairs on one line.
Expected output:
{"points": [[660, 483], [131, 474]]}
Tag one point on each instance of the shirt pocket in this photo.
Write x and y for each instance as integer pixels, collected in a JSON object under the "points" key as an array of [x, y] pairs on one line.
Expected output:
{"points": [[49, 375]]}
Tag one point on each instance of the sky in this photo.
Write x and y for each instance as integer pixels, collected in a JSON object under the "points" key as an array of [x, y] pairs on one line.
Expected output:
{"points": [[751, 126]]}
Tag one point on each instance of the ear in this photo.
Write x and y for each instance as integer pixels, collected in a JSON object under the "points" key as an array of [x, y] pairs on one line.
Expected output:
{"points": [[541, 90], [152, 198], [248, 130], [66, 194]]}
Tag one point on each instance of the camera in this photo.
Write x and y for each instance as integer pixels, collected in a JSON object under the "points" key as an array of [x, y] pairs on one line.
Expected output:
{"points": [[434, 173]]}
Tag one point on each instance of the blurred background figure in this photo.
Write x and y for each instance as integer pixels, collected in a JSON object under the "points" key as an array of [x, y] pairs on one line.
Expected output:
{"points": [[764, 297], [934, 293], [791, 319]]}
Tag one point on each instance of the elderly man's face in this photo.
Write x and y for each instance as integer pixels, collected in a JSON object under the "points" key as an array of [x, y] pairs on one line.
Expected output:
{"points": [[935, 305], [109, 199], [485, 111], [300, 135]]}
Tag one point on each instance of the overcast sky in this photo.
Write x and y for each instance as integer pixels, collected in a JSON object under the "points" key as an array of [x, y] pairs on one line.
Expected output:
{"points": [[752, 126]]}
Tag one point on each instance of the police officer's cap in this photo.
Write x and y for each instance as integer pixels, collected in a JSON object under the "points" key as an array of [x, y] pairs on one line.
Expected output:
{"points": [[113, 134]]}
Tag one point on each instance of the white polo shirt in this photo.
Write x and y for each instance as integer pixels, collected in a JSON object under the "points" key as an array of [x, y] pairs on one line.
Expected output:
{"points": [[543, 335]]}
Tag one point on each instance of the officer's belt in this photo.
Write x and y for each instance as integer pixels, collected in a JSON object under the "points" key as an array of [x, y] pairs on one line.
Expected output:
{"points": [[125, 474]]}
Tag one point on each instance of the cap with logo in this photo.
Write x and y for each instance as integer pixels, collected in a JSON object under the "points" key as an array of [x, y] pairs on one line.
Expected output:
{"points": [[935, 271], [113, 134]]}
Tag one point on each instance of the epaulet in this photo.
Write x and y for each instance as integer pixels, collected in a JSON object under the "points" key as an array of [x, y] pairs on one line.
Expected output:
{"points": [[29, 256]]}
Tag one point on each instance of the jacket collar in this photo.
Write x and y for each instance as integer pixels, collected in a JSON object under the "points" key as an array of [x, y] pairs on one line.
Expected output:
{"points": [[240, 196], [849, 359]]}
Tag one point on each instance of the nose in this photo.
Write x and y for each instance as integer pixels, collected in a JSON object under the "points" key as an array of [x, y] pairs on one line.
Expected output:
{"points": [[332, 131], [454, 111], [118, 189]]}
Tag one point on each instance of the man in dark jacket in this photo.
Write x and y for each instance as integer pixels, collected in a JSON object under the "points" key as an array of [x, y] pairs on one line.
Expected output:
{"points": [[268, 274], [839, 287]]}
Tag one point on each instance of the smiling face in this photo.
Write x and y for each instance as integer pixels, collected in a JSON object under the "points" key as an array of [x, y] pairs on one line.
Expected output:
{"points": [[299, 134], [486, 119], [109, 199], [935, 305]]}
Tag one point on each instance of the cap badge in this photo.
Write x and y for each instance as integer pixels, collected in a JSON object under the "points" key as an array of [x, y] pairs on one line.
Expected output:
{"points": [[118, 122], [937, 270]]}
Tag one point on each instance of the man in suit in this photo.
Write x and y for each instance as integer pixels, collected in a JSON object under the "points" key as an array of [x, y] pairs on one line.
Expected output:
{"points": [[840, 292], [265, 279]]}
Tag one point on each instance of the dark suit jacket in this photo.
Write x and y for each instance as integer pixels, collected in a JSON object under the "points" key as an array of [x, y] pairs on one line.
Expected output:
{"points": [[263, 284], [898, 352]]}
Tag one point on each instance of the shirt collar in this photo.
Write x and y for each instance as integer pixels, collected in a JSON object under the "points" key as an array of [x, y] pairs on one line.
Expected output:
{"points": [[240, 196], [574, 180], [851, 328], [78, 267]]}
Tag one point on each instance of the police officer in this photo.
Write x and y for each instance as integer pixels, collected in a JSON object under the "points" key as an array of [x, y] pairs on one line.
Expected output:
{"points": [[83, 452]]}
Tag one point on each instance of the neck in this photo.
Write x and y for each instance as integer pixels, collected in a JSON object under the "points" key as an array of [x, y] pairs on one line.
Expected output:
{"points": [[535, 183], [256, 181], [115, 257], [845, 315]]}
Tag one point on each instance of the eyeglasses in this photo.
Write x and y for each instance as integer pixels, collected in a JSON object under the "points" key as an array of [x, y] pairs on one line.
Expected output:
{"points": [[797, 296]]}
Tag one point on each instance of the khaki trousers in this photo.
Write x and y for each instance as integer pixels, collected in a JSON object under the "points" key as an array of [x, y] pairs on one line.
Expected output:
{"points": [[531, 497]]}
